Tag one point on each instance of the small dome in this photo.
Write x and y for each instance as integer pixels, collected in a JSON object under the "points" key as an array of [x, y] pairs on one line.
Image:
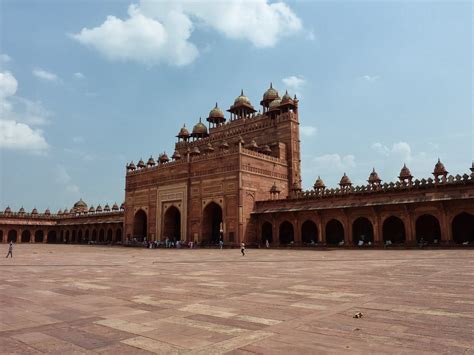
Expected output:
{"points": [[275, 104], [132, 166], [151, 161], [271, 94], [163, 158], [200, 129], [345, 181], [253, 145], [439, 168], [99, 208], [66, 211], [405, 173], [176, 155], [107, 208], [286, 99], [80, 204], [60, 212], [216, 112], [21, 210], [92, 209], [47, 212], [374, 177], [115, 207], [266, 149], [208, 148], [242, 99], [34, 211], [141, 164], [224, 145], [183, 132], [195, 151], [122, 206], [8, 210], [319, 184]]}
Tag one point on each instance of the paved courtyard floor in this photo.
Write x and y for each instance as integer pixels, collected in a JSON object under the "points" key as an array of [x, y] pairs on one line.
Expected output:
{"points": [[90, 299]]}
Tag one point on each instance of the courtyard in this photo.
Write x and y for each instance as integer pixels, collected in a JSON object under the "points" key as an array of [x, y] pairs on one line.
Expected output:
{"points": [[77, 299]]}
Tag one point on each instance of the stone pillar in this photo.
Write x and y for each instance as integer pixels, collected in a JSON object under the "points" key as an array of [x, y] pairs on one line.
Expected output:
{"points": [[378, 230], [297, 227], [45, 236], [18, 235], [319, 225], [445, 228], [410, 230], [347, 231], [323, 231]]}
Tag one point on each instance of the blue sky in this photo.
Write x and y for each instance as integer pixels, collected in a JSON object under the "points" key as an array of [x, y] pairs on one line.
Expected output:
{"points": [[83, 93]]}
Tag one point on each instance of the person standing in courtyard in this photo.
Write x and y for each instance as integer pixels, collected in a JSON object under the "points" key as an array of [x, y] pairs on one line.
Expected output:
{"points": [[242, 248], [267, 243], [10, 250]]}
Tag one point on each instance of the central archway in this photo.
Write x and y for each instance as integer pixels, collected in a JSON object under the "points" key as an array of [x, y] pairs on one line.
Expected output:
{"points": [[39, 236], [12, 236], [287, 234], [140, 225], [211, 223], [267, 232], [463, 228], [25, 236], [52, 237], [334, 232], [427, 227], [172, 224], [362, 230], [309, 232], [394, 230]]}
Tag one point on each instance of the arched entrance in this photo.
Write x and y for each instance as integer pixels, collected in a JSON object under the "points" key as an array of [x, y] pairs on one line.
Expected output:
{"points": [[94, 235], [393, 230], [118, 235], [102, 235], [52, 238], [140, 225], [172, 224], [334, 232], [12, 236], [109, 235], [86, 236], [428, 229], [73, 236], [463, 228], [362, 230], [309, 232], [25, 236], [287, 234], [267, 232], [211, 223], [67, 237], [79, 237], [39, 236]]}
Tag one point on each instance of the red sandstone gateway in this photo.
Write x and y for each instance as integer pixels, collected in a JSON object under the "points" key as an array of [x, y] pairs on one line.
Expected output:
{"points": [[241, 177]]}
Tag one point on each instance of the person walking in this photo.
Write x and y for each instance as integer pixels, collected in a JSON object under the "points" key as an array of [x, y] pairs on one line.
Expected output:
{"points": [[242, 248], [10, 250], [267, 243]]}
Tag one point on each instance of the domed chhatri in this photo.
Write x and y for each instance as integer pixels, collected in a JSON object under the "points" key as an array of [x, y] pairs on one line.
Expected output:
{"points": [[271, 94], [34, 211], [286, 98], [374, 178], [47, 212], [150, 162], [405, 174], [92, 209], [183, 133], [440, 170], [8, 210], [242, 99], [319, 184], [132, 166], [115, 207], [79, 207], [164, 158], [176, 155], [107, 207], [141, 164], [242, 107], [275, 104], [199, 130], [99, 208], [216, 116], [345, 181]]}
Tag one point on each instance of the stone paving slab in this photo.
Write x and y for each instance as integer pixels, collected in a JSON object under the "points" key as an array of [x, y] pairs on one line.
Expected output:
{"points": [[111, 300]]}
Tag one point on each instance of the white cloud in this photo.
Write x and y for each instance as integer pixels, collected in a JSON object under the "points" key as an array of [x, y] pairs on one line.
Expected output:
{"points": [[19, 136], [45, 75], [4, 59], [63, 178], [401, 150], [334, 162], [294, 82], [371, 78], [159, 32], [79, 75], [308, 131], [15, 133]]}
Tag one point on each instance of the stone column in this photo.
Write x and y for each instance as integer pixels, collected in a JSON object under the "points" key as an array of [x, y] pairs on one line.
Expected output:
{"points": [[18, 235], [45, 236], [410, 230], [378, 230], [296, 226]]}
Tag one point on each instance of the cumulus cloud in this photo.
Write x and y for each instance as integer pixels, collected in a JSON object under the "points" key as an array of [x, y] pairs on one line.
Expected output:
{"points": [[159, 32], [334, 162], [45, 75], [371, 78], [401, 150], [308, 131], [15, 133], [63, 178], [294, 82], [79, 75]]}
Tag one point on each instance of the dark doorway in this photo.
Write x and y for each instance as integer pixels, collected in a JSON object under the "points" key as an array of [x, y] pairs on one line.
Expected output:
{"points": [[140, 225], [74, 236], [211, 223], [102, 235], [267, 232], [172, 224], [362, 231], [86, 236], [109, 235], [79, 237], [463, 228], [309, 232], [334, 232], [67, 237], [52, 238], [12, 236], [94, 235], [428, 229], [118, 235], [39, 236], [394, 230], [26, 236], [287, 234]]}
